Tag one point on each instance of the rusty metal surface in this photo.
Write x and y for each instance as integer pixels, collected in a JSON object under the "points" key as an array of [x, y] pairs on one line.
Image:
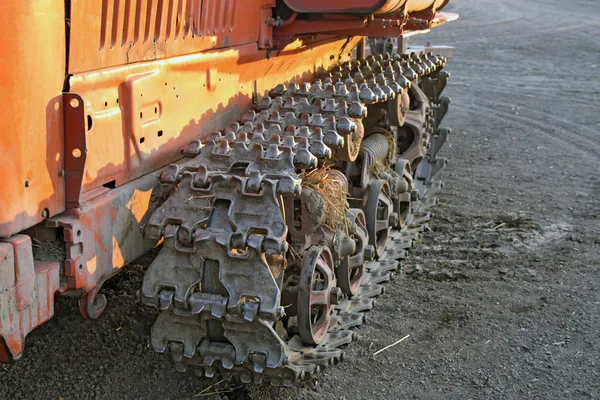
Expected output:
{"points": [[105, 234], [245, 280], [31, 138], [27, 290]]}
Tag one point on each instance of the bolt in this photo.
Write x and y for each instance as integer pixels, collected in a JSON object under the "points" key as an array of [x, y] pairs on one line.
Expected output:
{"points": [[393, 219], [45, 213], [369, 252], [280, 312], [335, 296]]}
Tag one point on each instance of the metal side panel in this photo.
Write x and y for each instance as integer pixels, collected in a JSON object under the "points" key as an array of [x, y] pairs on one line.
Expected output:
{"points": [[106, 33], [31, 134], [127, 121], [26, 294]]}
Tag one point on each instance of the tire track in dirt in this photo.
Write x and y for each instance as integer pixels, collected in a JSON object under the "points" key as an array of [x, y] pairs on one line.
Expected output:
{"points": [[588, 148]]}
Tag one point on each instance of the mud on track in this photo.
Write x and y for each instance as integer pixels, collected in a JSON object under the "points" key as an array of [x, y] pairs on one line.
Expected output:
{"points": [[501, 298]]}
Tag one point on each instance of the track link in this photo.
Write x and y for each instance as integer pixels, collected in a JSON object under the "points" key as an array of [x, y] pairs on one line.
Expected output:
{"points": [[240, 220]]}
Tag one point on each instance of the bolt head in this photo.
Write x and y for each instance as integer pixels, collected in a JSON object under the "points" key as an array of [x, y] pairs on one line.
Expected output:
{"points": [[280, 312], [369, 252], [393, 219], [335, 296]]}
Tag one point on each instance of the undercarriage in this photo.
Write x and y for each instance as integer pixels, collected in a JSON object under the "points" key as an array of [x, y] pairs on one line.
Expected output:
{"points": [[282, 228]]}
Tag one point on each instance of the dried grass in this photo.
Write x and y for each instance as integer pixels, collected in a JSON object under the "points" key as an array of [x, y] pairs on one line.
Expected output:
{"points": [[49, 250], [380, 167], [383, 165], [332, 192]]}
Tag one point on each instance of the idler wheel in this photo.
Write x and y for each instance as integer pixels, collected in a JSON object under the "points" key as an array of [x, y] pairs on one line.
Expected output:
{"points": [[317, 295], [380, 215], [403, 200], [351, 269]]}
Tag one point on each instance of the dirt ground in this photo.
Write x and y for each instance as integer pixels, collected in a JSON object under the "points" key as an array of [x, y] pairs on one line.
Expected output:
{"points": [[501, 298]]}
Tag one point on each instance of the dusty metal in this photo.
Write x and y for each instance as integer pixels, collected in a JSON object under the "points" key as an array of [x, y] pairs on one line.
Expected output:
{"points": [[317, 294], [413, 136], [379, 214], [212, 227], [350, 270], [404, 188], [27, 290], [105, 234]]}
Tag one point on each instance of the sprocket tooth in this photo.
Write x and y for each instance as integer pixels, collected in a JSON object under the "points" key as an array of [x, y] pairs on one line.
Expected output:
{"points": [[278, 90], [367, 95]]}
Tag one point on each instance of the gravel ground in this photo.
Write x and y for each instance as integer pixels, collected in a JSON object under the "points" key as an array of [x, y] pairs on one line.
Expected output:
{"points": [[501, 298]]}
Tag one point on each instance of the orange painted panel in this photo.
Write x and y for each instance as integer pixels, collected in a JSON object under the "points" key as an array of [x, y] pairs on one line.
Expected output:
{"points": [[106, 33], [141, 115], [31, 138]]}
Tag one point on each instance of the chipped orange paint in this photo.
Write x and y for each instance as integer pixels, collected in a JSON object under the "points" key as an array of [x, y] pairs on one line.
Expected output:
{"points": [[27, 292]]}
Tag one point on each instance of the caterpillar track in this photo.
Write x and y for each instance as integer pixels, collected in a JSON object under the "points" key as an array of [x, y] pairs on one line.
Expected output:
{"points": [[283, 227]]}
